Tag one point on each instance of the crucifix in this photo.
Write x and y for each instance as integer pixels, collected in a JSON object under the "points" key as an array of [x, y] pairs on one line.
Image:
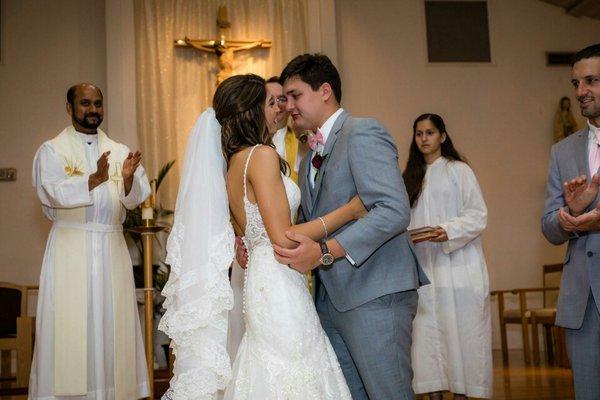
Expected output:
{"points": [[223, 48]]}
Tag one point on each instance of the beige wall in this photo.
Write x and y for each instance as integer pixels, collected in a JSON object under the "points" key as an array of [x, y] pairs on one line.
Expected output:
{"points": [[499, 114], [49, 45]]}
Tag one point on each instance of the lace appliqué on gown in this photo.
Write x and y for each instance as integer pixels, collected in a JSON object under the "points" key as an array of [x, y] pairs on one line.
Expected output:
{"points": [[284, 354]]}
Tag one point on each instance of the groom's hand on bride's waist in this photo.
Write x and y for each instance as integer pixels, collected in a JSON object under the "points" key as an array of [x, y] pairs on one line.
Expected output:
{"points": [[303, 258], [307, 256], [241, 253]]}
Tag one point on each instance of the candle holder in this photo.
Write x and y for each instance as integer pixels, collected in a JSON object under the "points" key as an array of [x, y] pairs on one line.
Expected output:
{"points": [[148, 231]]}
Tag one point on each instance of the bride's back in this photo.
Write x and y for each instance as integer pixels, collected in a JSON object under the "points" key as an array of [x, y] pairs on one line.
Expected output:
{"points": [[235, 189], [240, 107]]}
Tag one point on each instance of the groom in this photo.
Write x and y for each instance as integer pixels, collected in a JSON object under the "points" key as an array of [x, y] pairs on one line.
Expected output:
{"points": [[366, 273]]}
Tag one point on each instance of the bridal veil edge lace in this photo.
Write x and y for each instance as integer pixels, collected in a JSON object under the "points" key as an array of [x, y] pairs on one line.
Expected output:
{"points": [[200, 251]]}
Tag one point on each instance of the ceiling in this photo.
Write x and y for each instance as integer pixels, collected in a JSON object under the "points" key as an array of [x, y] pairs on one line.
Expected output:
{"points": [[579, 8]]}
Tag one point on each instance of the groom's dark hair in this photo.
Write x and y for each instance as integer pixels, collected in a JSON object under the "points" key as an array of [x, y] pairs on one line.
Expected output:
{"points": [[314, 69]]}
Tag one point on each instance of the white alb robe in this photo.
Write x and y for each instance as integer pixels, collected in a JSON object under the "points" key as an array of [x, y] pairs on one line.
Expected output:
{"points": [[57, 190], [452, 329]]}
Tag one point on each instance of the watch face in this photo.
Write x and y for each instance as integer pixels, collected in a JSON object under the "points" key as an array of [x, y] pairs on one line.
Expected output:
{"points": [[327, 259]]}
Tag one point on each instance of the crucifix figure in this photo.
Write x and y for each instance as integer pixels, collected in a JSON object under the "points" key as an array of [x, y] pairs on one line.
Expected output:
{"points": [[223, 48]]}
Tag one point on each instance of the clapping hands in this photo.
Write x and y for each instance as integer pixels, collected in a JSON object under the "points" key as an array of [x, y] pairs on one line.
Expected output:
{"points": [[101, 174], [579, 194], [132, 162]]}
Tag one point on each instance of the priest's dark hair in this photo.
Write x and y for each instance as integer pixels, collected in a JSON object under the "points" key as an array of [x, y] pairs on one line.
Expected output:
{"points": [[589, 52], [416, 166], [73, 89], [314, 69], [273, 79], [239, 104]]}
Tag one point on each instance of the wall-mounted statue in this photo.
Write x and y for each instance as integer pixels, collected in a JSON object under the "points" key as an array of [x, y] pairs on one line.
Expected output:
{"points": [[564, 121]]}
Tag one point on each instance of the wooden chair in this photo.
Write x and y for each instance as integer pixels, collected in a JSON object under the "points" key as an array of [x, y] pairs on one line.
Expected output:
{"points": [[521, 315], [513, 316], [546, 316], [16, 331], [524, 315]]}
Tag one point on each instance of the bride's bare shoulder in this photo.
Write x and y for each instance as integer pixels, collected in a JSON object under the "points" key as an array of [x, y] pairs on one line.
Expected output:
{"points": [[262, 157]]}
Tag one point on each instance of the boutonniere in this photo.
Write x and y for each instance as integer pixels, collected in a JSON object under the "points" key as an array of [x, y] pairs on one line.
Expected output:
{"points": [[73, 168], [318, 160]]}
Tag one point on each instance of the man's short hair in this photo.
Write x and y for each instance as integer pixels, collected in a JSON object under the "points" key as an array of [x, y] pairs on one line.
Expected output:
{"points": [[273, 79], [589, 52], [315, 70], [73, 89]]}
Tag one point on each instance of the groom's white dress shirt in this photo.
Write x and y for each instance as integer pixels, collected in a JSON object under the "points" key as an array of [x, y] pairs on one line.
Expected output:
{"points": [[325, 130]]}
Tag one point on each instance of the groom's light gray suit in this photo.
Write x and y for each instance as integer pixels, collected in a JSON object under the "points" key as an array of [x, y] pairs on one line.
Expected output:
{"points": [[579, 295], [366, 308]]}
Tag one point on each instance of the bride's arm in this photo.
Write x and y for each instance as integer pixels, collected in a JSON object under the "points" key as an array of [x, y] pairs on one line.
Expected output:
{"points": [[332, 221], [265, 178]]}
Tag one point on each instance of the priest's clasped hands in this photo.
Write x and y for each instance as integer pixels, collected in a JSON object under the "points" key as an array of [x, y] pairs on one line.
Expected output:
{"points": [[579, 194], [130, 165]]}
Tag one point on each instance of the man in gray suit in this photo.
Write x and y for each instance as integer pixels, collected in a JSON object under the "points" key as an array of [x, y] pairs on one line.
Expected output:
{"points": [[572, 213], [367, 273]]}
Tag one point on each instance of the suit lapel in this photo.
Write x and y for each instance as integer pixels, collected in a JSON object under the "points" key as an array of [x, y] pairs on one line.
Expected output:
{"points": [[581, 148], [304, 179], [331, 139]]}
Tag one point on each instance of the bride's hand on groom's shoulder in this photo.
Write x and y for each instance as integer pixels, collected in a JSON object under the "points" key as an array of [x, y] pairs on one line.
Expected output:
{"points": [[303, 258]]}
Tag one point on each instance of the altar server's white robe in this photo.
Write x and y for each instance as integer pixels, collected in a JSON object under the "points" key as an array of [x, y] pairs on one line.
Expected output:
{"points": [[58, 190], [452, 329]]}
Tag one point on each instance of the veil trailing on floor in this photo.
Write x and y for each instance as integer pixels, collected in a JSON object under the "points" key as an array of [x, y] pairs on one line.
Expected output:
{"points": [[200, 251]]}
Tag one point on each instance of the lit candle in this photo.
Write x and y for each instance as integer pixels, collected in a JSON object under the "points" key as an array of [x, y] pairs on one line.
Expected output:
{"points": [[147, 213]]}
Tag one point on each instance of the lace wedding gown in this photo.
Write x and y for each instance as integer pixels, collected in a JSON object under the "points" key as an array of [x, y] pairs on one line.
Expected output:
{"points": [[284, 353]]}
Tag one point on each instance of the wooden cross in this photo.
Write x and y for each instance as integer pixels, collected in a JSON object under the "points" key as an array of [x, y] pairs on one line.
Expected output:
{"points": [[223, 48]]}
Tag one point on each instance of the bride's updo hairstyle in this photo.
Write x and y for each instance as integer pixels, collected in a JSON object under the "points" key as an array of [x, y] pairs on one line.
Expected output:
{"points": [[239, 105]]}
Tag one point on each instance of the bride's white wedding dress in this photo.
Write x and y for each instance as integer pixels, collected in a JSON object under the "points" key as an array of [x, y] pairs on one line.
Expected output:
{"points": [[284, 353]]}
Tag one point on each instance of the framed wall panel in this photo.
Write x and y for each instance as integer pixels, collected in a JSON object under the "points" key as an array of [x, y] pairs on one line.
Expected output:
{"points": [[457, 31]]}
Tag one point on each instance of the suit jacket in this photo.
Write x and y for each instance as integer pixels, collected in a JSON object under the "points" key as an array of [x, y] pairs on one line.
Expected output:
{"points": [[362, 158], [568, 159]]}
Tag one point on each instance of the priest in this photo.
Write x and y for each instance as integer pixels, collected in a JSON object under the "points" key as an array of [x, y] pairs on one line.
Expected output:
{"points": [[88, 337]]}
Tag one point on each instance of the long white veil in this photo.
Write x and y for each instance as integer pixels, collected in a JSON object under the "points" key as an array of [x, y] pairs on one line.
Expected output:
{"points": [[200, 251]]}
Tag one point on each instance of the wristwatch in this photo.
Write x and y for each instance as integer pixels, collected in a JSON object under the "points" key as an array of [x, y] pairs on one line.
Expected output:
{"points": [[326, 257]]}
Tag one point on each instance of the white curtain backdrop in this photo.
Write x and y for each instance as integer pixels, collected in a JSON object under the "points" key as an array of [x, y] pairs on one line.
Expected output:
{"points": [[174, 85]]}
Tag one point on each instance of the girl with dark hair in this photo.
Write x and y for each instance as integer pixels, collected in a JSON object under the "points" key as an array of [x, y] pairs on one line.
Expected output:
{"points": [[235, 170], [451, 348]]}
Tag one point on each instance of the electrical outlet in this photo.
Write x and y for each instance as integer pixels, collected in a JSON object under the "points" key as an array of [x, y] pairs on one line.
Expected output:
{"points": [[8, 174]]}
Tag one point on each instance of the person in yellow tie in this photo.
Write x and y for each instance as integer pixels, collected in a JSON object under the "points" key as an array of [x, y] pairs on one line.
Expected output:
{"points": [[291, 146], [88, 340]]}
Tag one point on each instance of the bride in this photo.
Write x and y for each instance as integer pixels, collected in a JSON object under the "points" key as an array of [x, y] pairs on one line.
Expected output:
{"points": [[232, 166]]}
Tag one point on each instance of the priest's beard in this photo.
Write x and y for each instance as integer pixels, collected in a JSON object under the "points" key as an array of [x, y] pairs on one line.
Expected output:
{"points": [[87, 121]]}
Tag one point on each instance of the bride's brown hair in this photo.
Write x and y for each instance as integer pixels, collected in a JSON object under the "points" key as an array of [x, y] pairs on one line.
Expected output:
{"points": [[239, 105]]}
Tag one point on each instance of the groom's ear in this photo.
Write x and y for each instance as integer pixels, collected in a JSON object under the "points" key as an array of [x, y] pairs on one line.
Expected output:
{"points": [[326, 91]]}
